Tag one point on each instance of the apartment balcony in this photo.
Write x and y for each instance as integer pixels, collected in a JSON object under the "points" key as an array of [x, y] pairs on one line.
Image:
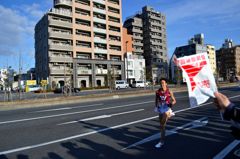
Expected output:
{"points": [[99, 11], [134, 30], [116, 24], [60, 23], [86, 7], [100, 40], [103, 21], [117, 6], [83, 49], [115, 42], [137, 37], [139, 24], [155, 30], [155, 17], [156, 37], [101, 71], [60, 47], [155, 23], [84, 17], [138, 43], [114, 52], [117, 15], [138, 50], [84, 71], [60, 35], [86, 38], [100, 51], [155, 43], [115, 33], [83, 27], [63, 2], [100, 1], [99, 30], [157, 50], [60, 59], [61, 12], [57, 71]]}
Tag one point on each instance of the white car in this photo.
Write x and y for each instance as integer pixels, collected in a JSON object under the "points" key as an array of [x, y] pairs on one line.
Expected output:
{"points": [[138, 84], [121, 84]]}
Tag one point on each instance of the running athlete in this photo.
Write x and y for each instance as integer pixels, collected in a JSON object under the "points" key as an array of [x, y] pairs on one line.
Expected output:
{"points": [[163, 102]]}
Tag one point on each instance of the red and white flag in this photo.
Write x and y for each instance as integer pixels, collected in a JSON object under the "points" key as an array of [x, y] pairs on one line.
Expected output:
{"points": [[199, 77]]}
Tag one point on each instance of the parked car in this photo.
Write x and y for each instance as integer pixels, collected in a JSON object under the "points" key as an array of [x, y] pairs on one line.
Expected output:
{"points": [[121, 84], [138, 84]]}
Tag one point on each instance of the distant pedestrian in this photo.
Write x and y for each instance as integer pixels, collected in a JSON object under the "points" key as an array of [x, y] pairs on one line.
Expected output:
{"points": [[163, 102]]}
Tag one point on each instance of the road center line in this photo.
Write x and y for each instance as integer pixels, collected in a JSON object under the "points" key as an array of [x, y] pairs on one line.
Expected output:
{"points": [[100, 117], [227, 149], [89, 133], [65, 114]]}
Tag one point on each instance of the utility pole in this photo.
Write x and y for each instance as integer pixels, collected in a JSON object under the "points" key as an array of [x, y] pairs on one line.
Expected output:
{"points": [[19, 77]]}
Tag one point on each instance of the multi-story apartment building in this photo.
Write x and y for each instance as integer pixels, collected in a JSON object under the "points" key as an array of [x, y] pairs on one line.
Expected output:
{"points": [[149, 39], [155, 43], [79, 42], [212, 58], [228, 62]]}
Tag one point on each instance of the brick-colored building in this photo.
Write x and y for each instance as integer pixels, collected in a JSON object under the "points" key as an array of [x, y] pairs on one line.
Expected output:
{"points": [[228, 62], [79, 42]]}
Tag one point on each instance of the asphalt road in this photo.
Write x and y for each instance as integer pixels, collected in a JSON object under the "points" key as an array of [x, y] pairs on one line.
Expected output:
{"points": [[117, 129]]}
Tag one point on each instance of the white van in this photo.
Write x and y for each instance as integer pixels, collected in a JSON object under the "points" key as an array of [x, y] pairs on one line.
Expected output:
{"points": [[121, 84], [138, 84]]}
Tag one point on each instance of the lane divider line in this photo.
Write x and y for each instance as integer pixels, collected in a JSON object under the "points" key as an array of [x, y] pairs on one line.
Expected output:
{"points": [[72, 113], [100, 117]]}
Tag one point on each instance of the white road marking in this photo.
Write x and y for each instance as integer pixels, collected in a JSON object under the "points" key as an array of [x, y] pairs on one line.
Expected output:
{"points": [[234, 96], [66, 108], [227, 149], [191, 125], [86, 134], [100, 117], [181, 97], [65, 114]]}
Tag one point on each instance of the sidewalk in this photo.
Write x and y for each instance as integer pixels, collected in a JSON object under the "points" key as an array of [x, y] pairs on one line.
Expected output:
{"points": [[86, 98]]}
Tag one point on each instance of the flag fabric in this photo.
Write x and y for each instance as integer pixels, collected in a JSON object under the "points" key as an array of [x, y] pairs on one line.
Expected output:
{"points": [[199, 77]]}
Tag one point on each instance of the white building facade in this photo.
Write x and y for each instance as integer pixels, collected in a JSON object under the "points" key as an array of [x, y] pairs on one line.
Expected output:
{"points": [[135, 68]]}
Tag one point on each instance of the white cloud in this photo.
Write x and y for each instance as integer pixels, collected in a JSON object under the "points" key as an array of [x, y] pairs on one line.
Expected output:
{"points": [[15, 30], [33, 10]]}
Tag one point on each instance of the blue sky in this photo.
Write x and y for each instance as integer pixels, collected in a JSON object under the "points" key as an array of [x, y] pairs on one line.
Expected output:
{"points": [[217, 19]]}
